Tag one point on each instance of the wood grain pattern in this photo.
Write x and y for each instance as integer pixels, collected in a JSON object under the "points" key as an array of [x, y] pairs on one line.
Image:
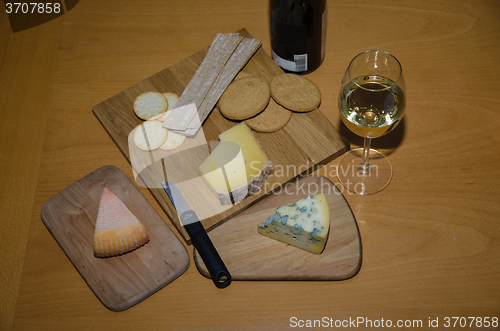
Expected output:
{"points": [[121, 281], [308, 140], [249, 255], [431, 240], [21, 143]]}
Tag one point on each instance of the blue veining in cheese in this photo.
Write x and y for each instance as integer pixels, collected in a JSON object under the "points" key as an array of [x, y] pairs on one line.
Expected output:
{"points": [[304, 224]]}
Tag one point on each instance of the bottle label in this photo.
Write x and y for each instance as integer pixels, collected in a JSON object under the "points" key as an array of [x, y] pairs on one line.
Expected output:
{"points": [[289, 45], [298, 64]]}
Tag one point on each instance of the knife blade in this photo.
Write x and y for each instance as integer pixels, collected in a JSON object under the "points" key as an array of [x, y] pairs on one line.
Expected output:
{"points": [[199, 237]]}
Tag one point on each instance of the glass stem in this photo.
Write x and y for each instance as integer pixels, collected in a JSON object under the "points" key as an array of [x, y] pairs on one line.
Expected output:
{"points": [[365, 165]]}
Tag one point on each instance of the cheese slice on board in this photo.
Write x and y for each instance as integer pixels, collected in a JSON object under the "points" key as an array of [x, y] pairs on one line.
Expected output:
{"points": [[245, 170], [117, 230], [224, 171], [304, 224]]}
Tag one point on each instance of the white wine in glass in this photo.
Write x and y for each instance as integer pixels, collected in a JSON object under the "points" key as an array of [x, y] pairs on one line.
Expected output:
{"points": [[371, 104]]}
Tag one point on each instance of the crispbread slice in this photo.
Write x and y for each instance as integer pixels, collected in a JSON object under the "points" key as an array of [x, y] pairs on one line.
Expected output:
{"points": [[174, 140], [225, 58], [180, 117], [219, 52], [150, 104], [150, 135], [245, 50]]}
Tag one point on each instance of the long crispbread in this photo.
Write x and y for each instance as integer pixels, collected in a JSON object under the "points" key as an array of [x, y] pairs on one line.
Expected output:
{"points": [[246, 48], [195, 92], [239, 56], [180, 117]]}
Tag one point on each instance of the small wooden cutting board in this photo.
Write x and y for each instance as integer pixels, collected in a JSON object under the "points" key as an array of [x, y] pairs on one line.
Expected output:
{"points": [[122, 281], [248, 255]]}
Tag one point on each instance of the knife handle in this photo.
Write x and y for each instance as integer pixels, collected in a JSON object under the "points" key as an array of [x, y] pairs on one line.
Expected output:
{"points": [[201, 241]]}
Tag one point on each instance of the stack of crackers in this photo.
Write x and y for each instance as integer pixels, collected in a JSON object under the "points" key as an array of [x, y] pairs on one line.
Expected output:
{"points": [[154, 108], [166, 127], [264, 106], [267, 107]]}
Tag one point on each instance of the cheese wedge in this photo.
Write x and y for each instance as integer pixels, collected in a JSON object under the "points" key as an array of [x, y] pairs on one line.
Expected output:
{"points": [[224, 171], [235, 174], [304, 224], [117, 230]]}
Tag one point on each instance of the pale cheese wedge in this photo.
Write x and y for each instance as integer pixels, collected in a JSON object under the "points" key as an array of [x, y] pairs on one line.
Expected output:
{"points": [[117, 230], [246, 171], [224, 171]]}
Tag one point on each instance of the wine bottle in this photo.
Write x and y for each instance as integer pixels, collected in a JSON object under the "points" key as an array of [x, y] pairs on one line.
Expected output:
{"points": [[298, 31]]}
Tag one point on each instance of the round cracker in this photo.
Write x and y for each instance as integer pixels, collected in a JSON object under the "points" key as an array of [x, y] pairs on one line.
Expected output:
{"points": [[174, 140], [244, 98], [150, 104], [295, 92], [172, 99], [150, 135], [273, 118], [243, 74], [157, 117]]}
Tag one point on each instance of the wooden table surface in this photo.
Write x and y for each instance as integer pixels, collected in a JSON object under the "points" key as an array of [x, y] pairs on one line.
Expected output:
{"points": [[431, 239]]}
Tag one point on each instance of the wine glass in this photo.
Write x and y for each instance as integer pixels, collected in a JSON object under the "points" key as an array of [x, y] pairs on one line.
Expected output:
{"points": [[371, 104]]}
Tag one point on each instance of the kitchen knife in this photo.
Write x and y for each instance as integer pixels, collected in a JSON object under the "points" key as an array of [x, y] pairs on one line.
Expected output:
{"points": [[199, 237], [178, 172]]}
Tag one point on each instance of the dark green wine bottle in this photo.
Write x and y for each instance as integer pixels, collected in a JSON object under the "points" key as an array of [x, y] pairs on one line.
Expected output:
{"points": [[298, 31]]}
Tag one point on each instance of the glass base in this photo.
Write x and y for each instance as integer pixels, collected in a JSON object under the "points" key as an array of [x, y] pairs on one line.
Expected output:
{"points": [[361, 178]]}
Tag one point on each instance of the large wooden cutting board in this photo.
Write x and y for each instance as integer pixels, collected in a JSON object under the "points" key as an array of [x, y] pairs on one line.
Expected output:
{"points": [[122, 281], [248, 255], [306, 142]]}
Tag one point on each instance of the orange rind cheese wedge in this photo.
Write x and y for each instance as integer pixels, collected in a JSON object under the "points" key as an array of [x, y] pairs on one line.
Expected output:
{"points": [[117, 230]]}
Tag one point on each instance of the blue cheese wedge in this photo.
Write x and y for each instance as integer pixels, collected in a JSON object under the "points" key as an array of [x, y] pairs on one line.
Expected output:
{"points": [[304, 224]]}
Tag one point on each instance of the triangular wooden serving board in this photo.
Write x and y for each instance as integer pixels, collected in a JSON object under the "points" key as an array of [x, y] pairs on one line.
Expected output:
{"points": [[306, 142], [248, 255]]}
